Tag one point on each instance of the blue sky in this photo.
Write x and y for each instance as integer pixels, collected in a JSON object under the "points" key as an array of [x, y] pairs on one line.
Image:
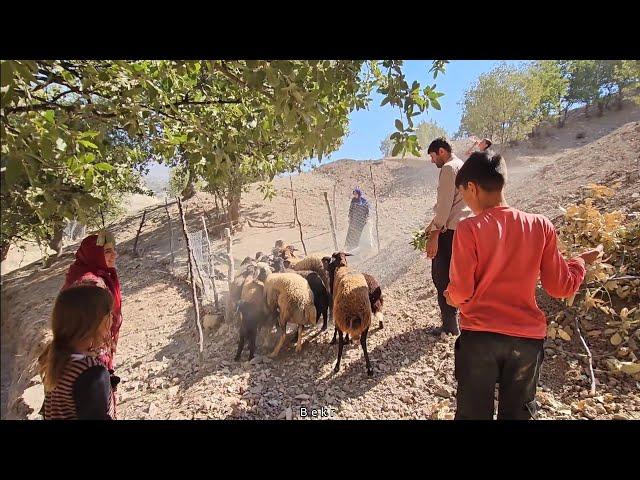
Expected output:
{"points": [[369, 127]]}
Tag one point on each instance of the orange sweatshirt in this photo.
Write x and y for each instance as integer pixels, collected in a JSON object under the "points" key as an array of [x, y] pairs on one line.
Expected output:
{"points": [[496, 261]]}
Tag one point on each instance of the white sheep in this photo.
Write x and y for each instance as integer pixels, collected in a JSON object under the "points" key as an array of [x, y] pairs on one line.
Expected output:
{"points": [[289, 293]]}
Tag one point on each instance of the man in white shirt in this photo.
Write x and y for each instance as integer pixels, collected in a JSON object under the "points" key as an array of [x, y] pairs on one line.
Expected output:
{"points": [[478, 146], [449, 210]]}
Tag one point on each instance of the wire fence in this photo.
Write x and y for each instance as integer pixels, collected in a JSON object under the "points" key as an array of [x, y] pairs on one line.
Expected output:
{"points": [[359, 239], [73, 231]]}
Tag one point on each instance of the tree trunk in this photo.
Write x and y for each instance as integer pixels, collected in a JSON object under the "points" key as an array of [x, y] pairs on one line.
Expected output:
{"points": [[190, 189], [55, 243], [600, 107], [225, 209], [560, 122], [563, 117], [5, 250], [235, 195], [619, 97]]}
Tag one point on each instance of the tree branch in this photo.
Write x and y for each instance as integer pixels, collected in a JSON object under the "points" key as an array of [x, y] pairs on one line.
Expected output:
{"points": [[46, 82], [53, 100], [67, 66], [207, 102], [40, 106], [592, 389], [222, 68]]}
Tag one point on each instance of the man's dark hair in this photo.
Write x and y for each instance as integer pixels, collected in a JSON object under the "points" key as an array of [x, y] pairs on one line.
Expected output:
{"points": [[489, 173], [439, 143], [488, 142]]}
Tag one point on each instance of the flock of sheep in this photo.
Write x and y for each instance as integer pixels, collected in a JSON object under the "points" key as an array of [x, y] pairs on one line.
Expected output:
{"points": [[281, 288]]}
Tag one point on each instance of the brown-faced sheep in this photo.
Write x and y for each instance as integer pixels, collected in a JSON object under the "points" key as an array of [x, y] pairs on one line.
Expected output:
{"points": [[351, 306], [290, 295], [288, 254]]}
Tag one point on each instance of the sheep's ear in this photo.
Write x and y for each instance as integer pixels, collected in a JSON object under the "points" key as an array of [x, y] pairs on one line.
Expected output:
{"points": [[348, 254]]}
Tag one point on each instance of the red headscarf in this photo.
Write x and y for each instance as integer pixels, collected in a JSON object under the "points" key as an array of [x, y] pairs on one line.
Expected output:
{"points": [[90, 262]]}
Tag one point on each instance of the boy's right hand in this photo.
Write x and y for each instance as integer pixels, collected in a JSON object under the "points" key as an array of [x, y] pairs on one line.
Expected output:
{"points": [[593, 254]]}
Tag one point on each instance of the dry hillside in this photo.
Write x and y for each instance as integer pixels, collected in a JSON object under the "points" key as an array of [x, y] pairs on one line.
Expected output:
{"points": [[157, 357]]}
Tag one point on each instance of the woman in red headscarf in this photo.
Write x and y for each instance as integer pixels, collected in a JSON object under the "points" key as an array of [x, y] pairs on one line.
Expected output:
{"points": [[95, 264]]}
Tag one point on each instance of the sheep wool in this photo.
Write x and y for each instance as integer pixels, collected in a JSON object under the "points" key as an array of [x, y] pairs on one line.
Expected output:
{"points": [[315, 264], [351, 305], [253, 293], [290, 293]]}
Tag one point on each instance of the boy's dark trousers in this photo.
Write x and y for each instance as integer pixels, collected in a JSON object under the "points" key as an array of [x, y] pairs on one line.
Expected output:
{"points": [[484, 359], [440, 276]]}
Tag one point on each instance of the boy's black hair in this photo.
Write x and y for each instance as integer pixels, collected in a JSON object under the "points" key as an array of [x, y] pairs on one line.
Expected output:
{"points": [[488, 142], [439, 143], [489, 173]]}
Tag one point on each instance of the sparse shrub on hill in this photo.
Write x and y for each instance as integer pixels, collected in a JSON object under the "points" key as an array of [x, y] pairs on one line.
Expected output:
{"points": [[612, 287]]}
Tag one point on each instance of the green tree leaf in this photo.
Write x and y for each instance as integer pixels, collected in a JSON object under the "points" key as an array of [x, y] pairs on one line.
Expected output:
{"points": [[49, 116], [396, 149], [103, 167], [87, 144], [6, 67], [15, 170]]}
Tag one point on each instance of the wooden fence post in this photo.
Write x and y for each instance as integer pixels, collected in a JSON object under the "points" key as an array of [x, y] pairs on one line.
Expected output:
{"points": [[335, 209], [294, 201], [212, 270], [190, 262], [295, 208], [166, 207], [230, 273], [376, 198], [333, 230], [135, 243]]}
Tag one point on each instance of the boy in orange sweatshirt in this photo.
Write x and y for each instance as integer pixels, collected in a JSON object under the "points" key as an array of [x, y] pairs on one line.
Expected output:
{"points": [[497, 258]]}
